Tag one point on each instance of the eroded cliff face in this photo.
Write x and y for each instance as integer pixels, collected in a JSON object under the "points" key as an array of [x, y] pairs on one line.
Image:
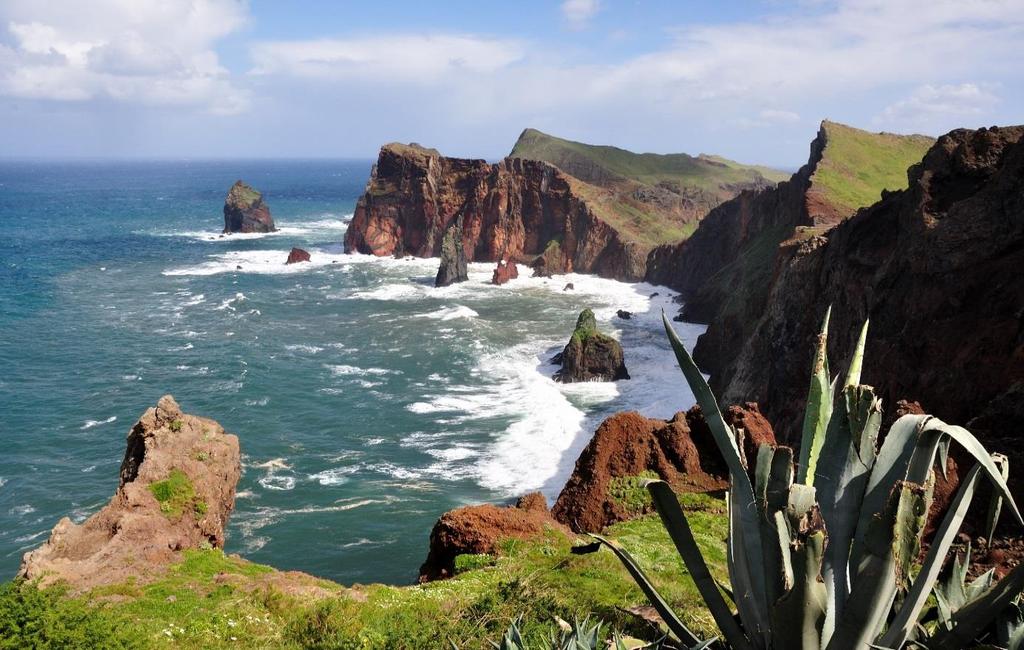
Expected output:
{"points": [[513, 209], [939, 270]]}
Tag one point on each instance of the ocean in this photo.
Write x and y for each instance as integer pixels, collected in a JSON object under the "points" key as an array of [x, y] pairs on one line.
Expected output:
{"points": [[367, 401]]}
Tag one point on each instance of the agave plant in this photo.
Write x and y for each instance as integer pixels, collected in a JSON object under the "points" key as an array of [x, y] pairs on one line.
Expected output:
{"points": [[581, 635], [822, 553]]}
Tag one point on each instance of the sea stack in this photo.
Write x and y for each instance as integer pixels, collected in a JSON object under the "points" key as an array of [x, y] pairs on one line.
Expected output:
{"points": [[591, 355], [245, 210], [453, 256]]}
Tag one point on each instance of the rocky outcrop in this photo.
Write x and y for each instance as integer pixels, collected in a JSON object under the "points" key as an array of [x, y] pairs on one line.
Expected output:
{"points": [[725, 270], [504, 271], [591, 355], [176, 492], [245, 211], [514, 208], [297, 255], [453, 256], [478, 529], [937, 269], [628, 446]]}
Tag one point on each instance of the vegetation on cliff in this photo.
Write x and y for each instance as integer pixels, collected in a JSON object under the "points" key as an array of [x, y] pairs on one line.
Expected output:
{"points": [[212, 600]]}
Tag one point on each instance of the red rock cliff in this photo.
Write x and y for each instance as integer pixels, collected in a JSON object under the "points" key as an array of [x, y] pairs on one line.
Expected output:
{"points": [[512, 209], [938, 268]]}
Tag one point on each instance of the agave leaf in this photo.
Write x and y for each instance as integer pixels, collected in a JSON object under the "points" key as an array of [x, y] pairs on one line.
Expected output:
{"points": [[973, 617], [944, 457], [874, 588], [675, 624], [981, 584], [857, 362], [845, 463], [745, 505], [798, 616], [762, 471], [667, 505], [819, 409], [785, 541], [901, 627], [742, 573], [995, 503], [921, 462], [773, 489]]}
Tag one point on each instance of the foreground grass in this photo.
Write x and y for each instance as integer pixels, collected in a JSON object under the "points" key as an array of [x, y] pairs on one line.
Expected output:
{"points": [[211, 600]]}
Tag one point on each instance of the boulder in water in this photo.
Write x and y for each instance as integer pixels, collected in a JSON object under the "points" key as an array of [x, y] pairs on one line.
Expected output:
{"points": [[297, 255], [245, 210], [505, 270], [591, 355]]}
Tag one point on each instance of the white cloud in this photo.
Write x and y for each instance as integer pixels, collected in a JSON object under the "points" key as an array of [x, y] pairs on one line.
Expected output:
{"points": [[940, 104], [578, 13], [136, 51], [387, 59]]}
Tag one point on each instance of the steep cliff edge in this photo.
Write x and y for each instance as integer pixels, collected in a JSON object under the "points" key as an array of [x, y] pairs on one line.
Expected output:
{"points": [[176, 492], [724, 271], [937, 269], [523, 206]]}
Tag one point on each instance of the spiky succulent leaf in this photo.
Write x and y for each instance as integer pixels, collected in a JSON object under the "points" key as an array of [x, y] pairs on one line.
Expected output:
{"points": [[857, 362], [819, 409], [995, 504], [846, 461], [672, 620], [672, 516], [968, 621], [906, 618], [747, 552]]}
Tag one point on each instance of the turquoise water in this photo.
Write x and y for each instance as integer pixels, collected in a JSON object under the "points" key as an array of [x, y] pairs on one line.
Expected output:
{"points": [[367, 402]]}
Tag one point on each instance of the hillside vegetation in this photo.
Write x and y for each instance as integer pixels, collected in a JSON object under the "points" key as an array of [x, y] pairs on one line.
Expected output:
{"points": [[212, 600], [857, 165], [651, 198]]}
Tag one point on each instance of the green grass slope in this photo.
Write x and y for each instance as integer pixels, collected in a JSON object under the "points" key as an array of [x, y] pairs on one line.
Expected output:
{"points": [[597, 163], [857, 165], [211, 600]]}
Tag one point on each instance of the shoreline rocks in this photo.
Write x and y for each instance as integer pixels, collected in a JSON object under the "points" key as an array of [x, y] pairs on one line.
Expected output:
{"points": [[627, 447], [176, 492], [245, 211], [590, 355], [478, 529]]}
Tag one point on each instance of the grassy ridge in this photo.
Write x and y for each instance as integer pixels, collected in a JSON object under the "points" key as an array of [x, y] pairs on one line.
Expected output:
{"points": [[858, 165], [210, 600], [708, 173]]}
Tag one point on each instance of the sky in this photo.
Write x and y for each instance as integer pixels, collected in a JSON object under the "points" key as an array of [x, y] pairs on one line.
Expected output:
{"points": [[747, 79]]}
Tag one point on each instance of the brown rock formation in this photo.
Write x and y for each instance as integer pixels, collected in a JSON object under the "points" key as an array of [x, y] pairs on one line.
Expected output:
{"points": [[504, 271], [590, 355], [187, 461], [680, 451], [513, 208], [937, 269], [478, 529], [245, 210], [297, 255]]}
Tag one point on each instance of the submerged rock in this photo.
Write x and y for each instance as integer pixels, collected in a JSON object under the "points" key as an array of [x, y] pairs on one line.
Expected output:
{"points": [[478, 529], [176, 492], [245, 210], [453, 256], [297, 255], [505, 270], [591, 355]]}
